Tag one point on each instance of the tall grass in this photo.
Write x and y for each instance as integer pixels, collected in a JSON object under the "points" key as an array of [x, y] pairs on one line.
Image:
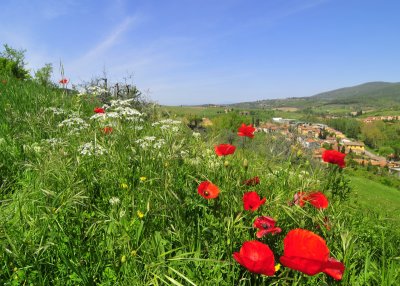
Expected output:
{"points": [[131, 215]]}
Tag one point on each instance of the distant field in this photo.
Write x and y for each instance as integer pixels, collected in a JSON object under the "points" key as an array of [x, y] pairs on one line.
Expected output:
{"points": [[377, 197], [193, 110], [290, 109]]}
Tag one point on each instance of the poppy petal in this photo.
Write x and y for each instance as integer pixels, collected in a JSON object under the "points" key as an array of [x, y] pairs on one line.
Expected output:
{"points": [[334, 268], [257, 257], [318, 200]]}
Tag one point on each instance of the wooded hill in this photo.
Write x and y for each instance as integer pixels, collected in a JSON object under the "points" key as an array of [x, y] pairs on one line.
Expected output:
{"points": [[365, 96]]}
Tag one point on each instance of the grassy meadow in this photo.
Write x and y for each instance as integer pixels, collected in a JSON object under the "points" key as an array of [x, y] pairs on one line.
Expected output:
{"points": [[112, 199]]}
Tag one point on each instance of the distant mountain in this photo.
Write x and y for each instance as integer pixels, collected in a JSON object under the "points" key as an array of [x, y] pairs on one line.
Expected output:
{"points": [[362, 91], [369, 95]]}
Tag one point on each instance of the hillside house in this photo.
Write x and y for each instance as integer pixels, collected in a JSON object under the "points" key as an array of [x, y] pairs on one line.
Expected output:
{"points": [[269, 127], [309, 131], [364, 162], [311, 143], [395, 171], [356, 147]]}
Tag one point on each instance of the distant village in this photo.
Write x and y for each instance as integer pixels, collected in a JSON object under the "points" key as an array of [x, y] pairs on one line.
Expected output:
{"points": [[319, 137]]}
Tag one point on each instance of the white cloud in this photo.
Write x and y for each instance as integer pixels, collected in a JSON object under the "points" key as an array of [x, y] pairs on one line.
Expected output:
{"points": [[111, 40]]}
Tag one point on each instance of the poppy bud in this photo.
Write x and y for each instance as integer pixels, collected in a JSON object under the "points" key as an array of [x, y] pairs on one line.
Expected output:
{"points": [[123, 259], [226, 163]]}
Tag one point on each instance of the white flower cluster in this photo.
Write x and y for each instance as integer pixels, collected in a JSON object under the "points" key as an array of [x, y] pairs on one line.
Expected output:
{"points": [[114, 201], [168, 125], [120, 102], [119, 109], [196, 135], [76, 123], [96, 90], [129, 114], [166, 122], [52, 141], [137, 128], [56, 110], [89, 149], [104, 116], [149, 141]]}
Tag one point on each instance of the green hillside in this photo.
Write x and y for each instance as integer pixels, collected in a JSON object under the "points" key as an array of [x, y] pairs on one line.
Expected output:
{"points": [[367, 96]]}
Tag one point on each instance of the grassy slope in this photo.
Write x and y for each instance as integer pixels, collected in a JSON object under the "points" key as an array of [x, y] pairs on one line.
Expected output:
{"points": [[59, 226], [377, 197]]}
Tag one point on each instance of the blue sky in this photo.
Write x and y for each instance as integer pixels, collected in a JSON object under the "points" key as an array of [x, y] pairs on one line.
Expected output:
{"points": [[211, 51]]}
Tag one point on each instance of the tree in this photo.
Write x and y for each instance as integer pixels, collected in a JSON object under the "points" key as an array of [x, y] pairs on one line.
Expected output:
{"points": [[12, 62], [43, 74], [373, 134]]}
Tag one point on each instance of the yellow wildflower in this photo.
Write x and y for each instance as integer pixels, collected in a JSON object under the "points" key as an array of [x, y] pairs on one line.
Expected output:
{"points": [[277, 267], [124, 186], [140, 214], [133, 253], [142, 179]]}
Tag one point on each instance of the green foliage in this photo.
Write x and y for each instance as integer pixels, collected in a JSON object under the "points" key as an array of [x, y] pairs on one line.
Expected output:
{"points": [[43, 75], [230, 121], [349, 126], [12, 63], [132, 216]]}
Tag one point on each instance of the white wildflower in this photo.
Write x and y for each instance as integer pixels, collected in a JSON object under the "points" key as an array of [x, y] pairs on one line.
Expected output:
{"points": [[112, 115], [114, 201], [137, 128], [122, 213], [165, 123], [159, 143], [149, 138], [75, 122], [196, 135], [52, 141], [97, 116], [56, 110], [120, 102], [170, 121], [89, 149], [127, 111]]}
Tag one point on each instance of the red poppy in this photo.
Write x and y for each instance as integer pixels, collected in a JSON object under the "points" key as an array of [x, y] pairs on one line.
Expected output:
{"points": [[251, 182], [107, 130], [257, 257], [334, 157], [317, 199], [252, 201], [99, 110], [224, 149], [307, 252], [266, 225], [208, 190], [247, 131], [64, 81]]}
